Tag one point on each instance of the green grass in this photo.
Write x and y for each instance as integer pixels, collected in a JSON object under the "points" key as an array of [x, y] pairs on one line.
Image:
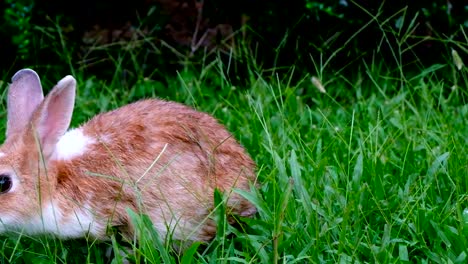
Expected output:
{"points": [[372, 171], [376, 178]]}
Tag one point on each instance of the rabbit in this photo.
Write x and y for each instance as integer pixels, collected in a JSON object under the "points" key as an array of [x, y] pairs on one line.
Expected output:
{"points": [[153, 156]]}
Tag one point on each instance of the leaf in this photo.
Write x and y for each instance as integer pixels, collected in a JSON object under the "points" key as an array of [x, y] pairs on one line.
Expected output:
{"points": [[187, 258], [220, 215], [253, 197], [299, 185], [357, 173], [403, 252], [148, 238], [439, 163]]}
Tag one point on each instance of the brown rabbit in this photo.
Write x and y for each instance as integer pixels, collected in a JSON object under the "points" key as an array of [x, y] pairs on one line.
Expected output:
{"points": [[156, 157]]}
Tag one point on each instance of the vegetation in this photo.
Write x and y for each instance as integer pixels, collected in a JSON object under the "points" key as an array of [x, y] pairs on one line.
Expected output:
{"points": [[166, 36], [362, 164]]}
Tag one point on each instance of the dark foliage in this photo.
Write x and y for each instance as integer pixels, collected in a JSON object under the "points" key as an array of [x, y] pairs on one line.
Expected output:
{"points": [[143, 35]]}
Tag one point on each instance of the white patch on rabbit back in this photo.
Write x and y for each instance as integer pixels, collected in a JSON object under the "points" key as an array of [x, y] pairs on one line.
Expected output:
{"points": [[72, 144]]}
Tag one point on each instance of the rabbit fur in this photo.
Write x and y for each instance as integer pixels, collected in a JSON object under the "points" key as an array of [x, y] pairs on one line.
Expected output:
{"points": [[157, 157]]}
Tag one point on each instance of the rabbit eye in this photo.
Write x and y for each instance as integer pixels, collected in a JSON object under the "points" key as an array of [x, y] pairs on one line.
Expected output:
{"points": [[5, 183]]}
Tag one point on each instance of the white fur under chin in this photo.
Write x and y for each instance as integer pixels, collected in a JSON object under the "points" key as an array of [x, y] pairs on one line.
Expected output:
{"points": [[72, 144], [79, 224]]}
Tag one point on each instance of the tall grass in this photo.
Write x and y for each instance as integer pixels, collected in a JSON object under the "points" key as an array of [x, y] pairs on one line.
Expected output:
{"points": [[373, 170]]}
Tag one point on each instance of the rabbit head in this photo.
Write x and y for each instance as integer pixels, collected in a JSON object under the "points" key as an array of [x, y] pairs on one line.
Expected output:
{"points": [[34, 127]]}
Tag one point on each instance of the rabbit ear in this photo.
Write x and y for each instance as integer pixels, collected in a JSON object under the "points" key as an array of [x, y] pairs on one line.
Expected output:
{"points": [[24, 95], [52, 118]]}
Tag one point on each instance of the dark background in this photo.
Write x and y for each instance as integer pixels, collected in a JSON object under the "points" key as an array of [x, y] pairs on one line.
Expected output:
{"points": [[158, 37]]}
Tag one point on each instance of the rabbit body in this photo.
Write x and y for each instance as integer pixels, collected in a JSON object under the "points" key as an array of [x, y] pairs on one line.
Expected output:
{"points": [[157, 157]]}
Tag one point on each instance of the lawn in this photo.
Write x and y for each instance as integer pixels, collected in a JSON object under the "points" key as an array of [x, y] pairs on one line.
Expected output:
{"points": [[364, 169]]}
